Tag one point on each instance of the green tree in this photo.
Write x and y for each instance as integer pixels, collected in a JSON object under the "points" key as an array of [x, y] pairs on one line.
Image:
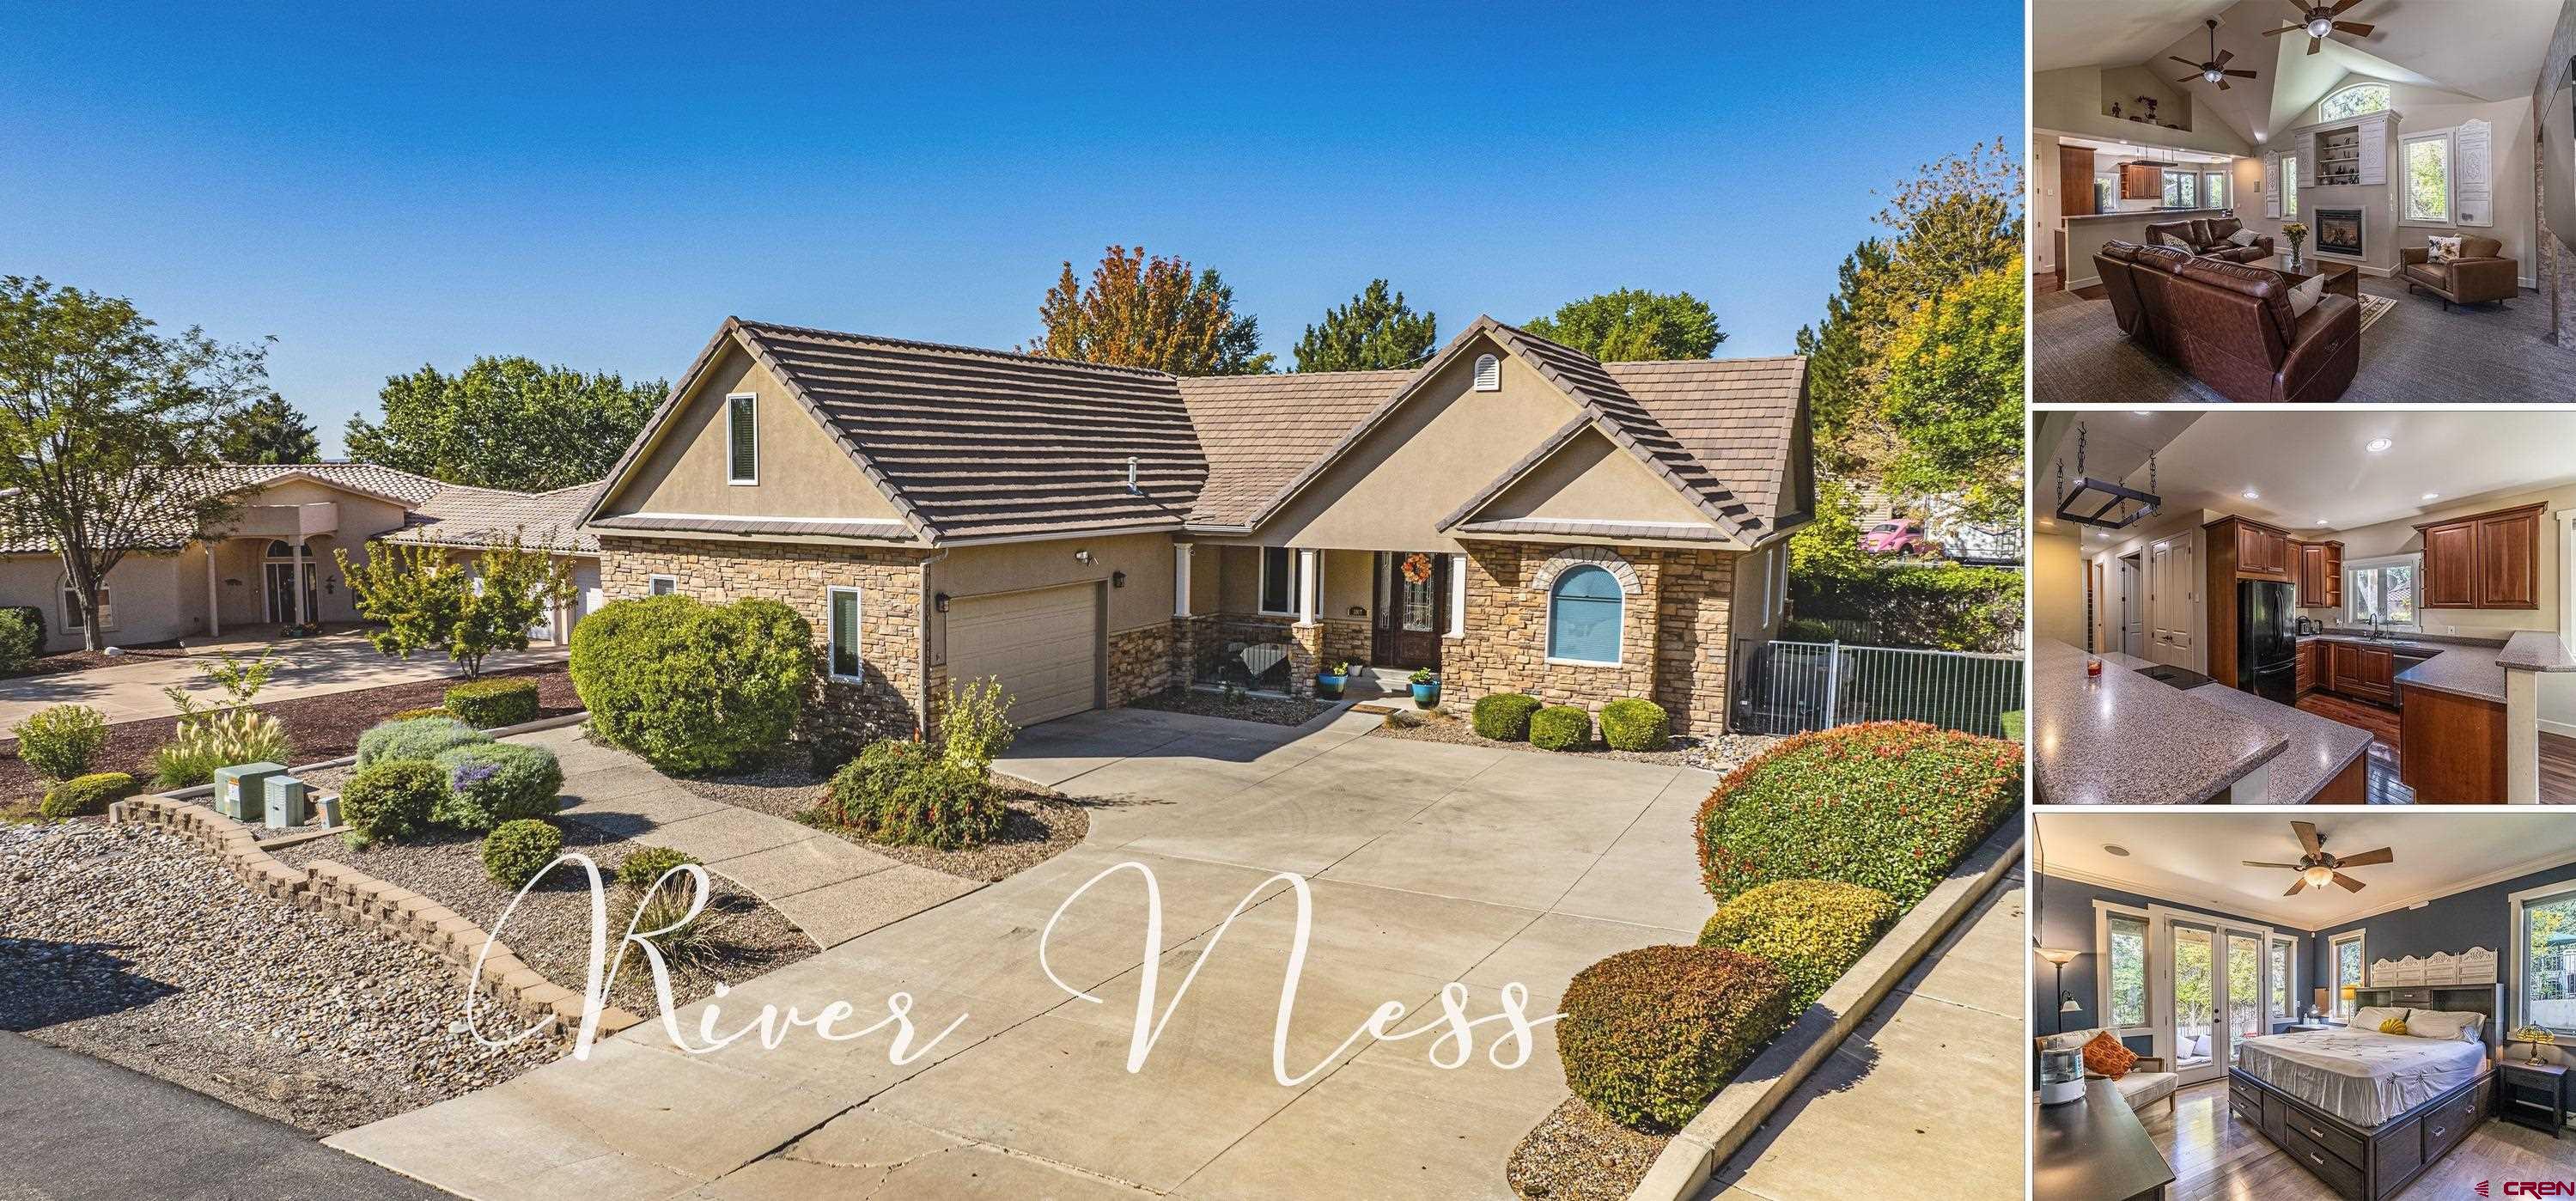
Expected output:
{"points": [[426, 599], [1830, 544], [1842, 354], [108, 430], [270, 431], [1141, 311], [1953, 394], [1632, 324], [1375, 331], [505, 423]]}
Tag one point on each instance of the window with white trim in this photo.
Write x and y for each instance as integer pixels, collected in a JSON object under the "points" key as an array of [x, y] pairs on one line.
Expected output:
{"points": [[843, 633], [664, 585], [2124, 970], [2182, 189], [2213, 189], [1585, 610], [1280, 568], [2543, 951], [2382, 591], [72, 609], [2361, 99], [2424, 183], [2281, 987], [2289, 187], [2344, 970], [742, 438]]}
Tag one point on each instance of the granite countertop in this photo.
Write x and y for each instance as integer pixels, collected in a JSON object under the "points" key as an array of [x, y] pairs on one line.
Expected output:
{"points": [[2150, 215], [2470, 671], [2122, 739], [2318, 750], [2535, 650]]}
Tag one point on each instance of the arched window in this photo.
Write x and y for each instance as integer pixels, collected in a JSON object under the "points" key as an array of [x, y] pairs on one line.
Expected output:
{"points": [[1584, 611], [280, 550], [2358, 100]]}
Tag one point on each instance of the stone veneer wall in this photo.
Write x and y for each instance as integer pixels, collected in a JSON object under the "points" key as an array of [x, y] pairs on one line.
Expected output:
{"points": [[1672, 647], [1142, 661], [887, 702], [1348, 640]]}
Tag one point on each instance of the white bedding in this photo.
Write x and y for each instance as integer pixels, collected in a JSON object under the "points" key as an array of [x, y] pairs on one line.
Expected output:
{"points": [[2361, 1076]]}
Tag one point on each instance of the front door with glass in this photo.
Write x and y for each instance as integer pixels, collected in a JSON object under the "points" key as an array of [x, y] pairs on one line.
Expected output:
{"points": [[1407, 624]]}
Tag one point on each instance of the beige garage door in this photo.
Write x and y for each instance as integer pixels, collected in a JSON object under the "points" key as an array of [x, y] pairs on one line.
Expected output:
{"points": [[1043, 646]]}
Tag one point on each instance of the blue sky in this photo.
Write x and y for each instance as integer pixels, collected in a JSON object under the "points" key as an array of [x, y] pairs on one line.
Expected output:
{"points": [[600, 187]]}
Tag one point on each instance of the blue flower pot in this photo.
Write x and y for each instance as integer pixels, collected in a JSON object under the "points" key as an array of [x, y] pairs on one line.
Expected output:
{"points": [[1330, 686], [1426, 696]]}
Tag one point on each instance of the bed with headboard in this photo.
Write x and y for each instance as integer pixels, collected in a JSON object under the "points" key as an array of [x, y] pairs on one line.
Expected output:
{"points": [[2331, 1102]]}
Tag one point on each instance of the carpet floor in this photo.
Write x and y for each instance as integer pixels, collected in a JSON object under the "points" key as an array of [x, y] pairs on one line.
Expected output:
{"points": [[2411, 351]]}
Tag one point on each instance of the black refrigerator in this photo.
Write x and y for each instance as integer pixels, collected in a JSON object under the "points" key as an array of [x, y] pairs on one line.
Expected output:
{"points": [[2267, 651]]}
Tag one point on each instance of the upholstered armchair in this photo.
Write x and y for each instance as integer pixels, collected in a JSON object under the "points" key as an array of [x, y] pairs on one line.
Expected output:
{"points": [[2481, 272], [2146, 1083]]}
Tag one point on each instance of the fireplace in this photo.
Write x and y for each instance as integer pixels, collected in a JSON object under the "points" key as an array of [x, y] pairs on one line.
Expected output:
{"points": [[2339, 231]]}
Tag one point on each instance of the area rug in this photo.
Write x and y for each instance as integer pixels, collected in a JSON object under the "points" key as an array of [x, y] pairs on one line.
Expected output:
{"points": [[2372, 309]]}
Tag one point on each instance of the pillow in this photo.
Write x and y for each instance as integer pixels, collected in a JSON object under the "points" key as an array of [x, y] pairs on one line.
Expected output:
{"points": [[2242, 237], [2393, 1026], [2305, 296], [2108, 1056], [2441, 250], [2372, 1017], [2175, 240], [2447, 1025]]}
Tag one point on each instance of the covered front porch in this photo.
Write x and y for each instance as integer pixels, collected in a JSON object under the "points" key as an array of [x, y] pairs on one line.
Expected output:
{"points": [[1268, 618]]}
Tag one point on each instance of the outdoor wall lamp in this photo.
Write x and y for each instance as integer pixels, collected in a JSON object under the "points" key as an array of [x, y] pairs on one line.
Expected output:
{"points": [[940, 602], [1082, 556], [1117, 579]]}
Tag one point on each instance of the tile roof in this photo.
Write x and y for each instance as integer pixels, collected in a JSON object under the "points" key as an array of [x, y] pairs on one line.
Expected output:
{"points": [[401, 487], [461, 516], [1669, 531], [820, 527], [1261, 431]]}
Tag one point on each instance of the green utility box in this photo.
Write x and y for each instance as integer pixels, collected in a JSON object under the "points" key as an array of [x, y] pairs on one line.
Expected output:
{"points": [[240, 790], [286, 797]]}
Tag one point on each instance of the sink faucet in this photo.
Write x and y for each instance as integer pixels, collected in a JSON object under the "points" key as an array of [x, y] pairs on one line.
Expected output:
{"points": [[2375, 633]]}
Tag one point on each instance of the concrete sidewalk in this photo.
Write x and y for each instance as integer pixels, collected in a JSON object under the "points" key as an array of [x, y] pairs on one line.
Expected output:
{"points": [[80, 1128], [1925, 1099], [342, 662]]}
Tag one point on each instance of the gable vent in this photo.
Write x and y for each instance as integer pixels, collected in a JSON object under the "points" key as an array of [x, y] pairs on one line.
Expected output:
{"points": [[1489, 373]]}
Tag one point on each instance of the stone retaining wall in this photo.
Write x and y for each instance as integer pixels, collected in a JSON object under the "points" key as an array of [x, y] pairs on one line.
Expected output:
{"points": [[358, 899]]}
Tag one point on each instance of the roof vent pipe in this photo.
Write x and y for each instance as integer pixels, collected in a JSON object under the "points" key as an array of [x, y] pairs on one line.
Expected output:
{"points": [[1132, 489]]}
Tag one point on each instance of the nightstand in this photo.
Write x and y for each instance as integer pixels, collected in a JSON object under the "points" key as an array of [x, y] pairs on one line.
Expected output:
{"points": [[2305, 1028], [2534, 1095]]}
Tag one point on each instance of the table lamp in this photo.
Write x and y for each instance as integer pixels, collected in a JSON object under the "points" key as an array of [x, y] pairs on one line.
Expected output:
{"points": [[2537, 1036], [2065, 1000], [2349, 991], [2318, 1009]]}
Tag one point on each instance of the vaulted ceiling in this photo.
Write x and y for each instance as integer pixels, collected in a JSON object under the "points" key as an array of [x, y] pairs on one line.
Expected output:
{"points": [[2490, 50]]}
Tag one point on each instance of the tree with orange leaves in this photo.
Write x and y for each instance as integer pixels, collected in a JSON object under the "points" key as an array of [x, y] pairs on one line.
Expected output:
{"points": [[1142, 311]]}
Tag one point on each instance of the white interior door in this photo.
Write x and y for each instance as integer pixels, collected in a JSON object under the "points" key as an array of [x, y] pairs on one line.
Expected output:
{"points": [[2133, 610]]}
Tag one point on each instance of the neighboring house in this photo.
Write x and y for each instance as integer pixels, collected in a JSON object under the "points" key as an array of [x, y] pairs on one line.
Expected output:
{"points": [[1513, 514], [199, 583]]}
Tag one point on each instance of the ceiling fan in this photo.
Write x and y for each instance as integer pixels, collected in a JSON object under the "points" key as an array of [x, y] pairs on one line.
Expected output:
{"points": [[2319, 21], [2316, 868], [2215, 70]]}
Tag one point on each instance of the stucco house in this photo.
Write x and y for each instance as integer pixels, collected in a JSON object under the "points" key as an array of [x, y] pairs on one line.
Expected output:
{"points": [[199, 583], [1513, 514]]}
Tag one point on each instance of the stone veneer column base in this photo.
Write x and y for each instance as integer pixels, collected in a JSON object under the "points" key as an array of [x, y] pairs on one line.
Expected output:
{"points": [[1305, 659]]}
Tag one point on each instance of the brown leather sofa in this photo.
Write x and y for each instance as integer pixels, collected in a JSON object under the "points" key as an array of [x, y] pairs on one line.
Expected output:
{"points": [[2480, 274], [2230, 325], [2208, 237]]}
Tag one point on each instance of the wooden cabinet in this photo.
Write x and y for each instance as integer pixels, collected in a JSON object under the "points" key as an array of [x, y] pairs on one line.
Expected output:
{"points": [[2141, 181], [2318, 573], [2367, 672], [2260, 551], [2074, 181], [2483, 561], [2307, 673]]}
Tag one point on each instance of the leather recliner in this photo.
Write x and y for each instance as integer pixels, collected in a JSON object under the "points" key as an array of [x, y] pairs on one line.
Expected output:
{"points": [[2231, 325], [2481, 273], [2208, 238]]}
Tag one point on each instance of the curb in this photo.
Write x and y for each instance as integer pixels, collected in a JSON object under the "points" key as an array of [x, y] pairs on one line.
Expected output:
{"points": [[1731, 1118]]}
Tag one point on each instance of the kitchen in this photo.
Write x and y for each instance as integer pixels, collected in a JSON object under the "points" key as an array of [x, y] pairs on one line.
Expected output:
{"points": [[2302, 608]]}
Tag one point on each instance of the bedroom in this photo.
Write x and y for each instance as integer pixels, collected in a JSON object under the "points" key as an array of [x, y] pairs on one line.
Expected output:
{"points": [[2283, 1004]]}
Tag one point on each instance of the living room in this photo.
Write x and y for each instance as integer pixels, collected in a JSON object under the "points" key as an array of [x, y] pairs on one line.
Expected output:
{"points": [[2364, 1004], [2272, 201]]}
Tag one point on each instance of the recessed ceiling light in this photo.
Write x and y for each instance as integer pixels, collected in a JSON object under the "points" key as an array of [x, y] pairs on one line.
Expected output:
{"points": [[2111, 849], [2251, 494], [2139, 412], [2432, 496], [2377, 445], [2321, 521]]}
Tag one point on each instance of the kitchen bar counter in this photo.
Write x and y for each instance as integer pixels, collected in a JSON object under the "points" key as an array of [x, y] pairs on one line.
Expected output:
{"points": [[2122, 739], [2532, 650], [2470, 671], [2319, 749], [2150, 215]]}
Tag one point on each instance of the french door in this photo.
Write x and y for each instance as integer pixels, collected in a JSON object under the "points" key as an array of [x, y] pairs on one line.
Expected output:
{"points": [[2216, 983]]}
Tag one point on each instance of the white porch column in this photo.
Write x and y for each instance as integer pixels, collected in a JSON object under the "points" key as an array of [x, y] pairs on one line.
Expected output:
{"points": [[1180, 579], [297, 587], [1457, 596], [214, 594], [1306, 561]]}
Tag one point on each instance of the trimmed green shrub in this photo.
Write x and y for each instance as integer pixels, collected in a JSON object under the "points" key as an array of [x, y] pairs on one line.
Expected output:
{"points": [[218, 740], [417, 714], [87, 796], [1504, 716], [22, 638], [489, 783], [1812, 930], [692, 686], [1560, 728], [644, 865], [392, 801], [1942, 606], [515, 851], [901, 793], [61, 741], [1649, 1035], [490, 704], [2014, 722], [1631, 724], [1891, 805], [415, 738], [1806, 629]]}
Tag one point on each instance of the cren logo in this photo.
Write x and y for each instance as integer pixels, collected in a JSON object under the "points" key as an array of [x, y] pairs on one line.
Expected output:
{"points": [[2534, 1188]]}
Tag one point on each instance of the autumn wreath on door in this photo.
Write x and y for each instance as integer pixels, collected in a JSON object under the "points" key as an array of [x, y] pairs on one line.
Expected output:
{"points": [[1417, 568]]}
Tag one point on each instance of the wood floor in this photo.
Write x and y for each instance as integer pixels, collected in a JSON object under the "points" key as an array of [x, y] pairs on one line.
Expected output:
{"points": [[2557, 752], [2215, 1156]]}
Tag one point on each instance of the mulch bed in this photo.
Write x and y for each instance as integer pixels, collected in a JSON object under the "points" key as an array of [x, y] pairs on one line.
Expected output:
{"points": [[1038, 826], [1273, 710], [1575, 1154], [89, 660], [322, 727]]}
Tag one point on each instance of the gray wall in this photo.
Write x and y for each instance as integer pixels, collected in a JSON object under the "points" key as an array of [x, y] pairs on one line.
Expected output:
{"points": [[2065, 919]]}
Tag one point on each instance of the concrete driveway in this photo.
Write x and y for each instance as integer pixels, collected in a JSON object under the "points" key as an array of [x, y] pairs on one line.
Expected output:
{"points": [[331, 663], [1429, 864]]}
